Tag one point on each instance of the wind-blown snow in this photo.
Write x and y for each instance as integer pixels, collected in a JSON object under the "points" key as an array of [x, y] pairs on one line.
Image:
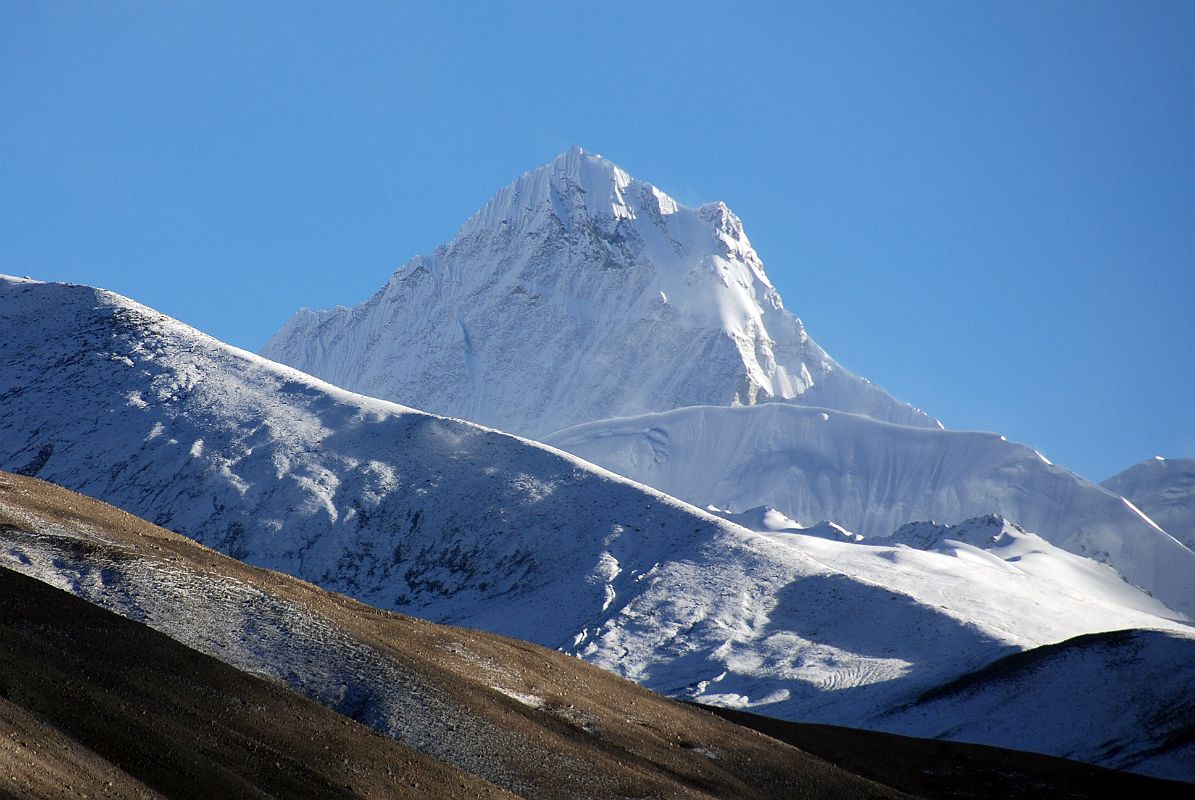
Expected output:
{"points": [[579, 293], [872, 477], [873, 623]]}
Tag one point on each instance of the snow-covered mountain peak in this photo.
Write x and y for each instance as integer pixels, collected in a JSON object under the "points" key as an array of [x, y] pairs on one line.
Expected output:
{"points": [[573, 185], [579, 293], [583, 195]]}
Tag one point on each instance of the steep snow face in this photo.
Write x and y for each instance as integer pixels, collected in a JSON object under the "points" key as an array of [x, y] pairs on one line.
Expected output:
{"points": [[872, 477], [579, 293], [461, 524], [1164, 488]]}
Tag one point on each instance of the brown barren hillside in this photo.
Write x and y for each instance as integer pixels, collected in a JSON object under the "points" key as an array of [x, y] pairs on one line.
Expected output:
{"points": [[97, 705]]}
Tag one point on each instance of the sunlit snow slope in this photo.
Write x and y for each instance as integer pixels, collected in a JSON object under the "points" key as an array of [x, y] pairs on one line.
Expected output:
{"points": [[872, 477], [579, 293], [877, 622], [1164, 488], [402, 509]]}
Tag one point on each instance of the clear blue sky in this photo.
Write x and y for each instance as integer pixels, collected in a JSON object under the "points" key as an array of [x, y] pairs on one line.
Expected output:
{"points": [[987, 209]]}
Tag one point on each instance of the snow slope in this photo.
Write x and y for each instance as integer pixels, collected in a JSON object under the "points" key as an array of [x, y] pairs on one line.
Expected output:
{"points": [[462, 524], [872, 477], [1164, 488], [404, 510], [877, 624], [1080, 707], [579, 293], [993, 537]]}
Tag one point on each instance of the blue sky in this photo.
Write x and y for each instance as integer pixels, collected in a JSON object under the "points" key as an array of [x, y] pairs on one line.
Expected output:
{"points": [[987, 209]]}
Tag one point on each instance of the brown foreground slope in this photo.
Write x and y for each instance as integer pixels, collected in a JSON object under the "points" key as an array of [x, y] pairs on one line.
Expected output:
{"points": [[118, 696], [97, 705]]}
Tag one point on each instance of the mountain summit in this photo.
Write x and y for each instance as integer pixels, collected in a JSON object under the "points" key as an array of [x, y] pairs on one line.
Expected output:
{"points": [[580, 293]]}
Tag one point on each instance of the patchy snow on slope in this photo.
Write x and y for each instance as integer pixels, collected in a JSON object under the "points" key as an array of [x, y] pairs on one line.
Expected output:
{"points": [[579, 293], [871, 477], [264, 634]]}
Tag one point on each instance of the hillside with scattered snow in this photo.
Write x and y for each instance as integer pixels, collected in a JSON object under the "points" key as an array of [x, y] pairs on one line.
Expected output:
{"points": [[579, 293], [872, 477]]}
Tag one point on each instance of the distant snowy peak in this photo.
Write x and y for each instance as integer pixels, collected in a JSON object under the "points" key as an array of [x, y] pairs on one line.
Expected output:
{"points": [[1164, 488], [574, 186], [580, 191], [994, 542], [579, 293], [765, 519], [697, 255], [982, 532]]}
